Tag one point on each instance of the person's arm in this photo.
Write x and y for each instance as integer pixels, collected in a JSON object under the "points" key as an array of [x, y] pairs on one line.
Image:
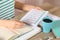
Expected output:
{"points": [[25, 7], [11, 24]]}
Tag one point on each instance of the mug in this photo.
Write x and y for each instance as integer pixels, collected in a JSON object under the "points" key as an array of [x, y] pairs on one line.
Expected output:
{"points": [[56, 28], [47, 24]]}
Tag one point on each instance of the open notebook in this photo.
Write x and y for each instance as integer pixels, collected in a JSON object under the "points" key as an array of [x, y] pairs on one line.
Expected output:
{"points": [[5, 33], [24, 29], [28, 35], [8, 34]]}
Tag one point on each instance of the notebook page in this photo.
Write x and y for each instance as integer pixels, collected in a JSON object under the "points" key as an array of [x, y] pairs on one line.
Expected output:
{"points": [[34, 16]]}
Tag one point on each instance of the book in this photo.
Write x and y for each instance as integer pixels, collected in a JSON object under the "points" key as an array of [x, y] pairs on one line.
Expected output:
{"points": [[8, 34], [21, 31], [5, 33], [28, 35]]}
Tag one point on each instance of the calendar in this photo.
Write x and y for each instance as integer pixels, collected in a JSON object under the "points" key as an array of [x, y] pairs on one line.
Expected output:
{"points": [[34, 16]]}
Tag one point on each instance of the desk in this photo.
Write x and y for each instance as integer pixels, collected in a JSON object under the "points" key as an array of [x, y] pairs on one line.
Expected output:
{"points": [[54, 10]]}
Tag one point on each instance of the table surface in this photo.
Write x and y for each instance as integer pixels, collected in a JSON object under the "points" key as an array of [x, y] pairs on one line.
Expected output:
{"points": [[53, 9]]}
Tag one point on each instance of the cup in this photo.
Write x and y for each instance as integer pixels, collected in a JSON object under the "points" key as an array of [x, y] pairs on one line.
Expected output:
{"points": [[47, 24], [56, 28]]}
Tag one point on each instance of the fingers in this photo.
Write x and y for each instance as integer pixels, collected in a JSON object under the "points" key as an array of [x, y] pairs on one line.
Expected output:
{"points": [[38, 8], [11, 24], [18, 24]]}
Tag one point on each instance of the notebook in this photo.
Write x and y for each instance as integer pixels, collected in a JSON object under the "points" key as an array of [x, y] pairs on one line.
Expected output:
{"points": [[8, 34], [34, 16], [28, 34], [5, 33], [22, 30]]}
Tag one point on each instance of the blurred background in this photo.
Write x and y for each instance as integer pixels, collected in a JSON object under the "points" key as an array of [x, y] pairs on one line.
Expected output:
{"points": [[40, 2]]}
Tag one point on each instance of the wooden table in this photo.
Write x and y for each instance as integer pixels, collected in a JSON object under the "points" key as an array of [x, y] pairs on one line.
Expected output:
{"points": [[53, 9]]}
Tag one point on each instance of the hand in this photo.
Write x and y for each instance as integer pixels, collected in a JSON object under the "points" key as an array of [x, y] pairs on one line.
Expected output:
{"points": [[25, 7], [30, 7], [11, 24]]}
